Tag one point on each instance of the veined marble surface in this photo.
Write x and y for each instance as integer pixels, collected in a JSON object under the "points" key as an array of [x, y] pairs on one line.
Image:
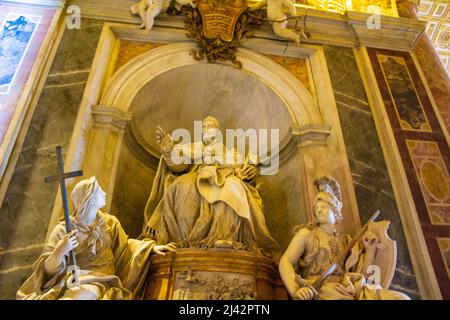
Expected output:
{"points": [[370, 177], [26, 211]]}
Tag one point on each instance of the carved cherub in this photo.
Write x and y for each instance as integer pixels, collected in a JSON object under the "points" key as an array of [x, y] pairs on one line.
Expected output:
{"points": [[277, 16], [149, 9], [180, 3]]}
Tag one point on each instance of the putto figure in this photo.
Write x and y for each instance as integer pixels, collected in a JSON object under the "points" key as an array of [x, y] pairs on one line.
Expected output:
{"points": [[148, 10], [206, 203], [111, 266], [278, 18], [315, 246]]}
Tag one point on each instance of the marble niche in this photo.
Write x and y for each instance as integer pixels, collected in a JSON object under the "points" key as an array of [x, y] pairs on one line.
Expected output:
{"points": [[191, 93], [238, 100]]}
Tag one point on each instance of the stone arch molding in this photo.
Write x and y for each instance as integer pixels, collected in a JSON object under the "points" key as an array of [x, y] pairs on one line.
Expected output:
{"points": [[130, 78]]}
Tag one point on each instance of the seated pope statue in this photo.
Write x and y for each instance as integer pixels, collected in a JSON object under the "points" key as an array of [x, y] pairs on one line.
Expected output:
{"points": [[204, 201], [317, 244], [111, 266]]}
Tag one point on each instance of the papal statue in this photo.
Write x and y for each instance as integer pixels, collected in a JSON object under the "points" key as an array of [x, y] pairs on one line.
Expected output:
{"points": [[204, 201]]}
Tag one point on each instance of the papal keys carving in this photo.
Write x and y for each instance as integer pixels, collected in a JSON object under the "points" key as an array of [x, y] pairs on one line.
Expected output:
{"points": [[220, 17], [219, 26]]}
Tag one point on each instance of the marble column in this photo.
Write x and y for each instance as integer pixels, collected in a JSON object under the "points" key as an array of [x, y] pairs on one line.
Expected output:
{"points": [[430, 63], [101, 161]]}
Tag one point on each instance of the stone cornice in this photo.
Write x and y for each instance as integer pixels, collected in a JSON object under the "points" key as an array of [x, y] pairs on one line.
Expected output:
{"points": [[301, 137], [106, 116], [349, 29]]}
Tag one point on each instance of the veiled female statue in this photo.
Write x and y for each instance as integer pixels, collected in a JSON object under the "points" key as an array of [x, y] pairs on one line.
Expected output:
{"points": [[316, 245], [206, 202], [111, 266]]}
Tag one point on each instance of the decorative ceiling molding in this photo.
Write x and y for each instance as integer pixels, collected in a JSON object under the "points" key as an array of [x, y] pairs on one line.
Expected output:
{"points": [[49, 3], [437, 16]]}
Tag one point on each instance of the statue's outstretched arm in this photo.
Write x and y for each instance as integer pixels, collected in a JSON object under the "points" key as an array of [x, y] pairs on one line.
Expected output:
{"points": [[167, 145], [290, 258]]}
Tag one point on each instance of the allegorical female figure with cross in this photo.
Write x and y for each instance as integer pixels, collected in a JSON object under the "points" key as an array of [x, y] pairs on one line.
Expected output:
{"points": [[110, 265]]}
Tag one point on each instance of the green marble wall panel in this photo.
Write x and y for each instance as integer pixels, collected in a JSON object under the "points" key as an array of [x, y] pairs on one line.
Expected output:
{"points": [[370, 177], [26, 210]]}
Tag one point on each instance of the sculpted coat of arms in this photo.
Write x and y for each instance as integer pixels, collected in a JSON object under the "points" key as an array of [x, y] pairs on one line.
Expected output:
{"points": [[220, 17], [218, 26]]}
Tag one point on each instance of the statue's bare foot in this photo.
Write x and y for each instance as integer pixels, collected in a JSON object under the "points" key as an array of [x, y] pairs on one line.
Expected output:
{"points": [[239, 246], [142, 26], [183, 244], [201, 245], [303, 34], [297, 40], [266, 254], [223, 244]]}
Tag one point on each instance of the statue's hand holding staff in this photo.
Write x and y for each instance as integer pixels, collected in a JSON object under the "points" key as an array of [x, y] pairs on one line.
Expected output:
{"points": [[305, 291], [68, 243], [63, 248]]}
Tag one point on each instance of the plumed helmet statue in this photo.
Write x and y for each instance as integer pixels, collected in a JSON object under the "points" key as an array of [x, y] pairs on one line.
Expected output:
{"points": [[329, 191]]}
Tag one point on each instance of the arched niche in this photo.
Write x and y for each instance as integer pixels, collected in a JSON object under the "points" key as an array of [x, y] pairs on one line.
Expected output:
{"points": [[167, 87], [129, 79]]}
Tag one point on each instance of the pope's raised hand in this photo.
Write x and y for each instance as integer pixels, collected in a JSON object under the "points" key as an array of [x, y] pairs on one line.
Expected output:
{"points": [[164, 140]]}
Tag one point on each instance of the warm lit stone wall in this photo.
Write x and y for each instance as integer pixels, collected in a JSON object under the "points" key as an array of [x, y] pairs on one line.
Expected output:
{"points": [[26, 210]]}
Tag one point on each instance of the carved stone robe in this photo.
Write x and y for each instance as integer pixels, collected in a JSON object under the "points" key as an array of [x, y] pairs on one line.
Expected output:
{"points": [[348, 281], [111, 265], [206, 203]]}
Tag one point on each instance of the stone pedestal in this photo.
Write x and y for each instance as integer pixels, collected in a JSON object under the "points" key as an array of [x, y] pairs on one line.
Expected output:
{"points": [[213, 274]]}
